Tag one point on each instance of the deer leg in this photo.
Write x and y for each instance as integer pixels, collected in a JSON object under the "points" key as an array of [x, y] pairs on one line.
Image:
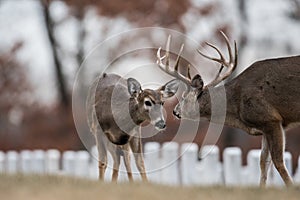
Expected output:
{"points": [[102, 156], [102, 167], [126, 156], [116, 159], [276, 142], [136, 146], [265, 161]]}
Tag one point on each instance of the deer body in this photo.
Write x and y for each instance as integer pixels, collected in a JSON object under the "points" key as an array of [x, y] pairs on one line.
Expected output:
{"points": [[262, 100], [103, 105], [276, 85], [116, 108]]}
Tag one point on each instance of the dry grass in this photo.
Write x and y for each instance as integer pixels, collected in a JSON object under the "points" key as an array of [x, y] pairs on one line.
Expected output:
{"points": [[34, 187]]}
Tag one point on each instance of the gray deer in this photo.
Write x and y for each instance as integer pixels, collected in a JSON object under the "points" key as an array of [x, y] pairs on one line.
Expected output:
{"points": [[116, 108], [262, 100]]}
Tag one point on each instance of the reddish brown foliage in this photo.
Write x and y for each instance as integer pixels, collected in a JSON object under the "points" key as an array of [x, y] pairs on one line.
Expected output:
{"points": [[164, 13], [23, 122]]}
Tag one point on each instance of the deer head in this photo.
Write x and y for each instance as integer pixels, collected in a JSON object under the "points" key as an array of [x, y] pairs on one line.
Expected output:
{"points": [[148, 104], [196, 95]]}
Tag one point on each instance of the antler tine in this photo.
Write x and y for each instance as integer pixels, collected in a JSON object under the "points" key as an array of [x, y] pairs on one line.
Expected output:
{"points": [[178, 58], [214, 47], [228, 46], [167, 51], [235, 55], [166, 67], [161, 58], [231, 64], [188, 72], [208, 57]]}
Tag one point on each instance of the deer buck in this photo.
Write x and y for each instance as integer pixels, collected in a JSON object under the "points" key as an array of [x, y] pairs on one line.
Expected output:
{"points": [[116, 108], [262, 100]]}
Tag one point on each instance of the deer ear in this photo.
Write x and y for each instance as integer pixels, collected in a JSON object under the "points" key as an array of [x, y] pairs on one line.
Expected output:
{"points": [[170, 88], [197, 82], [134, 87]]}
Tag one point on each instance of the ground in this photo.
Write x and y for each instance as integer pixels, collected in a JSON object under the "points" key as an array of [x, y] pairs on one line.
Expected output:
{"points": [[34, 187]]}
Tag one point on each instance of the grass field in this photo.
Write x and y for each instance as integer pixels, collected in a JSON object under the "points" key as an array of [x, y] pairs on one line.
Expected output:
{"points": [[46, 188]]}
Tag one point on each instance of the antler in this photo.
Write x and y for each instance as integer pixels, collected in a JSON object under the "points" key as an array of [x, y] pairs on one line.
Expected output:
{"points": [[231, 64], [166, 67]]}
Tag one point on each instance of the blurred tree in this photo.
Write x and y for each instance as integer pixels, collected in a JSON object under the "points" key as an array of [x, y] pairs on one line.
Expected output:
{"points": [[15, 95], [243, 25], [78, 9], [295, 12], [14, 86], [49, 24], [24, 123]]}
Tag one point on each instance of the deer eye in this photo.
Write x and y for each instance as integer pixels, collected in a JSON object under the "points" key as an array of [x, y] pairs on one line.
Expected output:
{"points": [[148, 103]]}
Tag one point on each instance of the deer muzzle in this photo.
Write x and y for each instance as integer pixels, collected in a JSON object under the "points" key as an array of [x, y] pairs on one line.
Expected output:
{"points": [[176, 111], [161, 124]]}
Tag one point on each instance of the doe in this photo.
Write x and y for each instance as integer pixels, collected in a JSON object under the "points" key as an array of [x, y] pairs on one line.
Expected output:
{"points": [[116, 108]]}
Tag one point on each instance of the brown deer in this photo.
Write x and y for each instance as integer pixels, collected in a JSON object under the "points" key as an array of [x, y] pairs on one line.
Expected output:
{"points": [[116, 108], [262, 100]]}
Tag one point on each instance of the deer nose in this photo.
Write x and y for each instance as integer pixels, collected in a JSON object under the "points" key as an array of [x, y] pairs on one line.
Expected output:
{"points": [[176, 114], [161, 124]]}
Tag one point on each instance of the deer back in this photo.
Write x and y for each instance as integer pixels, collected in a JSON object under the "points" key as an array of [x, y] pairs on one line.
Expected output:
{"points": [[271, 85]]}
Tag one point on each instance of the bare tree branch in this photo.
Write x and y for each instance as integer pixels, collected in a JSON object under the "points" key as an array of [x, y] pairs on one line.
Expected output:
{"points": [[53, 44], [243, 39], [295, 13]]}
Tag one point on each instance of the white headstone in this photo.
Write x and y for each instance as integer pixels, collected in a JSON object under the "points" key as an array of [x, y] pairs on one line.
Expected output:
{"points": [[38, 162], [12, 162], [26, 158], [2, 162], [209, 169], [82, 164], [52, 161], [232, 166], [189, 159], [68, 163], [253, 167], [153, 161], [170, 172]]}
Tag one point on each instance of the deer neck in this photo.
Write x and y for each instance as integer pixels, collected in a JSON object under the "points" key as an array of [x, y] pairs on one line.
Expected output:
{"points": [[136, 115], [205, 104], [213, 104]]}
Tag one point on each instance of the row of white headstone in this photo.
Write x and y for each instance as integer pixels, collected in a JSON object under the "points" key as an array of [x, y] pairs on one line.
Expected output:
{"points": [[170, 164]]}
